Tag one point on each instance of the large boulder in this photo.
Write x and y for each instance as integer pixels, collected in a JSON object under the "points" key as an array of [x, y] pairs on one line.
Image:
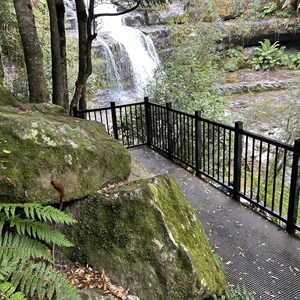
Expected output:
{"points": [[147, 238], [249, 32], [40, 143]]}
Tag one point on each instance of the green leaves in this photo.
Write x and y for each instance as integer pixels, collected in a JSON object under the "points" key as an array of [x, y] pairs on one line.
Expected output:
{"points": [[35, 211], [191, 76], [268, 55], [24, 229]]}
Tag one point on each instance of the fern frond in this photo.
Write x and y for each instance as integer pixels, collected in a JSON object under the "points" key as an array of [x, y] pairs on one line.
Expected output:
{"points": [[44, 280], [38, 230], [1, 223], [8, 289], [35, 211], [7, 267], [18, 246]]}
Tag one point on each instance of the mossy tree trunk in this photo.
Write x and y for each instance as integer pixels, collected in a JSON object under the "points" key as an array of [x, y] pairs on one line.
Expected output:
{"points": [[60, 11], [57, 86], [38, 91]]}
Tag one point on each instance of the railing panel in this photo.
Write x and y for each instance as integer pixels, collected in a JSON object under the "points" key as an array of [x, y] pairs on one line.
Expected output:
{"points": [[159, 127], [217, 153], [263, 171], [183, 138], [266, 175], [131, 124]]}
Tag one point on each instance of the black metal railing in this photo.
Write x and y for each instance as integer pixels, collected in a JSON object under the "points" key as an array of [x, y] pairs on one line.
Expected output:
{"points": [[263, 171]]}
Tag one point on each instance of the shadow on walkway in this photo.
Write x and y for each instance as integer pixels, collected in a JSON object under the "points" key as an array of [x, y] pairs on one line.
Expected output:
{"points": [[256, 252]]}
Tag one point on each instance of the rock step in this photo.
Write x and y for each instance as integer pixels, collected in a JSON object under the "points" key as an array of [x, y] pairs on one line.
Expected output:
{"points": [[239, 88]]}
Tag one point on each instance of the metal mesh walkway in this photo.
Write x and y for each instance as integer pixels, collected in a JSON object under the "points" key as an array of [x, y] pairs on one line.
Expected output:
{"points": [[257, 253]]}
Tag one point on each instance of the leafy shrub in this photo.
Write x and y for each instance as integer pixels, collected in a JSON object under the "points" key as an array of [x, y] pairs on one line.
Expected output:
{"points": [[291, 61], [191, 76], [268, 55], [24, 256], [268, 10]]}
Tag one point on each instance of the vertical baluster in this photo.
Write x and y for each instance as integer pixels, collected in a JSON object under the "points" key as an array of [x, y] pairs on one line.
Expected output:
{"points": [[213, 150], [224, 156], [107, 122], [229, 158], [252, 167], [204, 140], [245, 166], [198, 142], [208, 150], [267, 175], [274, 178], [294, 189], [218, 160], [237, 169], [282, 182], [259, 171], [132, 126]]}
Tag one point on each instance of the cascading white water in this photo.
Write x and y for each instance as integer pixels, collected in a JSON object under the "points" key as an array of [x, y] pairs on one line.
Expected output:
{"points": [[135, 54]]}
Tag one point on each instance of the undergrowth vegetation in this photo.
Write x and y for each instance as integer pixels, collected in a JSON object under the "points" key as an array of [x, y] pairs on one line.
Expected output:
{"points": [[26, 236], [191, 76]]}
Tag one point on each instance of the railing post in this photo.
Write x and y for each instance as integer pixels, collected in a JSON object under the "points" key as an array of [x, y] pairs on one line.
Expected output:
{"points": [[148, 121], [198, 141], [170, 130], [294, 189], [75, 112], [237, 168], [114, 119]]}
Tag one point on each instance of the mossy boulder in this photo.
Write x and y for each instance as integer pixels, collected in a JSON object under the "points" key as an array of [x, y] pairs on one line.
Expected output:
{"points": [[229, 9], [147, 238], [40, 143]]}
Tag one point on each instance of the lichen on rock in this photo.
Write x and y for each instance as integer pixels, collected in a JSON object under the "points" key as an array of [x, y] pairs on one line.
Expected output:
{"points": [[40, 143], [147, 238]]}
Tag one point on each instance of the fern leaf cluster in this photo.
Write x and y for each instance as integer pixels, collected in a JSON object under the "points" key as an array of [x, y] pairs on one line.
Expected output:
{"points": [[24, 230]]}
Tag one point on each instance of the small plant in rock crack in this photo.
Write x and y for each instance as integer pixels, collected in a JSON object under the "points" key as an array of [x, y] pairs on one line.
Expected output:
{"points": [[268, 55]]}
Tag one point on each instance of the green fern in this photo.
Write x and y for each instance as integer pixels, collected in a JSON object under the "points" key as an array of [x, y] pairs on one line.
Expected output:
{"points": [[36, 211], [23, 234]]}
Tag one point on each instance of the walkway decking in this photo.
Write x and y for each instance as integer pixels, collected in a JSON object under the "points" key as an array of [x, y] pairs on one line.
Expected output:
{"points": [[257, 253]]}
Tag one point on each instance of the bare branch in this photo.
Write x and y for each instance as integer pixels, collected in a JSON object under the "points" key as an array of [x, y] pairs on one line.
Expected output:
{"points": [[119, 13]]}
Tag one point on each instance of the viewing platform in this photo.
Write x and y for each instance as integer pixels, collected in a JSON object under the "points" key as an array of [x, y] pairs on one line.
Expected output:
{"points": [[257, 253]]}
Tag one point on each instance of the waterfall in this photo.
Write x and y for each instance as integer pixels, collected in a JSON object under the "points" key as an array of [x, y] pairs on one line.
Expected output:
{"points": [[130, 57]]}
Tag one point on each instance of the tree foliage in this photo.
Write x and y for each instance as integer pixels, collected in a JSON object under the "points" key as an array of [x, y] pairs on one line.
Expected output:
{"points": [[191, 76]]}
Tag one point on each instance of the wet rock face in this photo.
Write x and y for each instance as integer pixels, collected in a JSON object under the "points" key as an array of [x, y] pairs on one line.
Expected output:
{"points": [[148, 239], [40, 143]]}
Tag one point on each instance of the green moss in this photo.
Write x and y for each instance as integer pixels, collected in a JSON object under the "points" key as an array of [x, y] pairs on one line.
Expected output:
{"points": [[44, 147], [147, 238], [176, 209], [7, 98]]}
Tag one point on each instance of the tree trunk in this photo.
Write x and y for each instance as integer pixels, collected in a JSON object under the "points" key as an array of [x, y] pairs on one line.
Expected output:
{"points": [[82, 100], [1, 70], [85, 38], [57, 86], [38, 91], [60, 11]]}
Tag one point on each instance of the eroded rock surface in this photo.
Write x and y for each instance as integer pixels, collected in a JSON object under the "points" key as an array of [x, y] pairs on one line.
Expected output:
{"points": [[40, 143], [148, 239]]}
